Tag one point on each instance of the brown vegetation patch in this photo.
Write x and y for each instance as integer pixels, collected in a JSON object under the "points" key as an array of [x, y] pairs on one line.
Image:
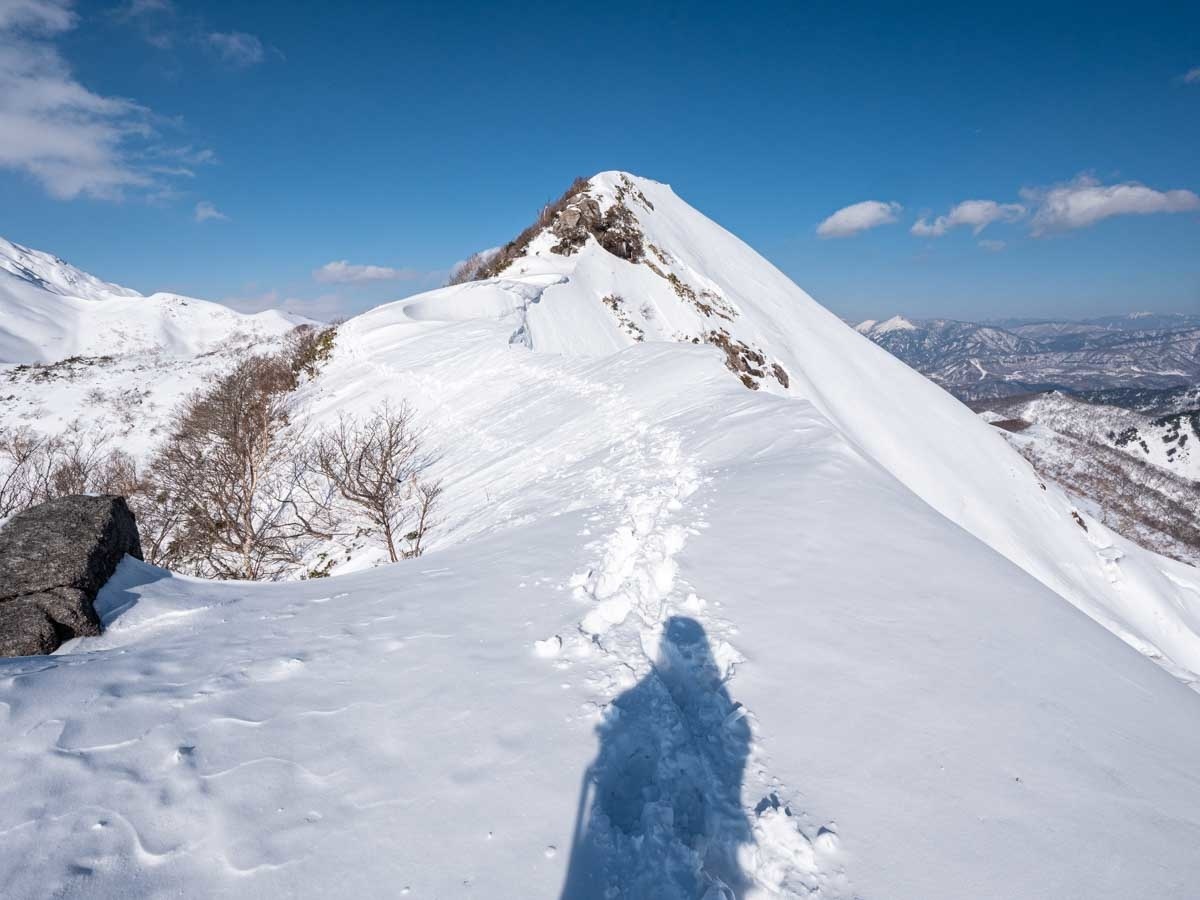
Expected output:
{"points": [[617, 305], [64, 369], [628, 189], [740, 358], [497, 263]]}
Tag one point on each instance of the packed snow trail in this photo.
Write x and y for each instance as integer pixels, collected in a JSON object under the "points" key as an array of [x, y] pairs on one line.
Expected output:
{"points": [[662, 811], [639, 485]]}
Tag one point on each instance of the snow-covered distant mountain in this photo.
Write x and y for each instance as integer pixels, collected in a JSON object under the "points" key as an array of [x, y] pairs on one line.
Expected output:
{"points": [[50, 310], [1139, 473], [1169, 442], [978, 361], [726, 602], [75, 349]]}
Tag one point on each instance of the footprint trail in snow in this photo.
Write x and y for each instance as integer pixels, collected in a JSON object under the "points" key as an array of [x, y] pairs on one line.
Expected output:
{"points": [[678, 802]]}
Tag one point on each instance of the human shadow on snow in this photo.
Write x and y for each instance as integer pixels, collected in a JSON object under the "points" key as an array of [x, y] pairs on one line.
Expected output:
{"points": [[660, 813]]}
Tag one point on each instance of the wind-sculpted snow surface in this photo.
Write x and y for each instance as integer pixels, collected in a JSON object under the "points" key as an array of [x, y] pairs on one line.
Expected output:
{"points": [[675, 638]]}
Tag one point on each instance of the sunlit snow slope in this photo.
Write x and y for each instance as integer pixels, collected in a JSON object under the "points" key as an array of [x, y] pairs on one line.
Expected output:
{"points": [[675, 639], [697, 282], [50, 310]]}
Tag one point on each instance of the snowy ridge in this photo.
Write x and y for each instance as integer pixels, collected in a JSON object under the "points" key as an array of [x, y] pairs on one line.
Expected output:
{"points": [[675, 638], [52, 274], [49, 310], [697, 283]]}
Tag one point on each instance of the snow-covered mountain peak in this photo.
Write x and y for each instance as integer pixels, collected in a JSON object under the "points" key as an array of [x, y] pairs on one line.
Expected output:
{"points": [[50, 310], [620, 260], [48, 272], [621, 264], [895, 323]]}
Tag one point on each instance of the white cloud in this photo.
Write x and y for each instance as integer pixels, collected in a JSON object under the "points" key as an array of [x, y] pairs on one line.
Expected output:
{"points": [[237, 48], [67, 137], [992, 246], [1085, 201], [46, 15], [850, 220], [977, 214], [1191, 76], [341, 271], [205, 212]]}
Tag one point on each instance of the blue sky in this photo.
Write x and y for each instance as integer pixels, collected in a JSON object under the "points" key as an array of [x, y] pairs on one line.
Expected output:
{"points": [[232, 150]]}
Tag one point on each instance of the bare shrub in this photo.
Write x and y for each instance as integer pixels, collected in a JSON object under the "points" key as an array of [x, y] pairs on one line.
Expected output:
{"points": [[224, 478], [26, 469], [80, 458], [471, 268], [514, 248], [306, 348], [376, 466], [35, 467]]}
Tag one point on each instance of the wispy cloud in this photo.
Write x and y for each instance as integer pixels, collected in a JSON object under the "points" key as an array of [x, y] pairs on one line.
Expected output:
{"points": [[162, 24], [975, 214], [206, 212], [1191, 76], [136, 8], [237, 48], [342, 271], [69, 138], [50, 15], [992, 246], [1085, 201], [155, 20], [850, 220]]}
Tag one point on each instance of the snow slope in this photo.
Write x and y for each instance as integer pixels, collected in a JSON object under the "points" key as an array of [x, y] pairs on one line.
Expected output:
{"points": [[929, 441], [937, 723], [675, 637], [49, 310]]}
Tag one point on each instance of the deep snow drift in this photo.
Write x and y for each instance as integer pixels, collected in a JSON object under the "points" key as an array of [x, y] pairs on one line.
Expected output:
{"points": [[676, 638]]}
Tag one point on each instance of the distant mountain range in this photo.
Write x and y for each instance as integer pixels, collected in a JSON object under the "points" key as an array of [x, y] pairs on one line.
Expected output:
{"points": [[979, 360]]}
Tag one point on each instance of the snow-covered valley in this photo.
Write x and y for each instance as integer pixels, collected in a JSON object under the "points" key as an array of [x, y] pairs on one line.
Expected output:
{"points": [[830, 636]]}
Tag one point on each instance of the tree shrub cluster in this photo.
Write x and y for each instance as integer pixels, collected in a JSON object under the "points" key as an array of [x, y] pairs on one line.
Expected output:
{"points": [[240, 489]]}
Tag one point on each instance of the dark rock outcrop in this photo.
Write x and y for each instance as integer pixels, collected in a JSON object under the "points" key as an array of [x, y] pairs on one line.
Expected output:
{"points": [[616, 230], [54, 558]]}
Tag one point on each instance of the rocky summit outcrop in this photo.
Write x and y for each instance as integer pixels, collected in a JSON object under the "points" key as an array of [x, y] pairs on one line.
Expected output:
{"points": [[54, 558]]}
